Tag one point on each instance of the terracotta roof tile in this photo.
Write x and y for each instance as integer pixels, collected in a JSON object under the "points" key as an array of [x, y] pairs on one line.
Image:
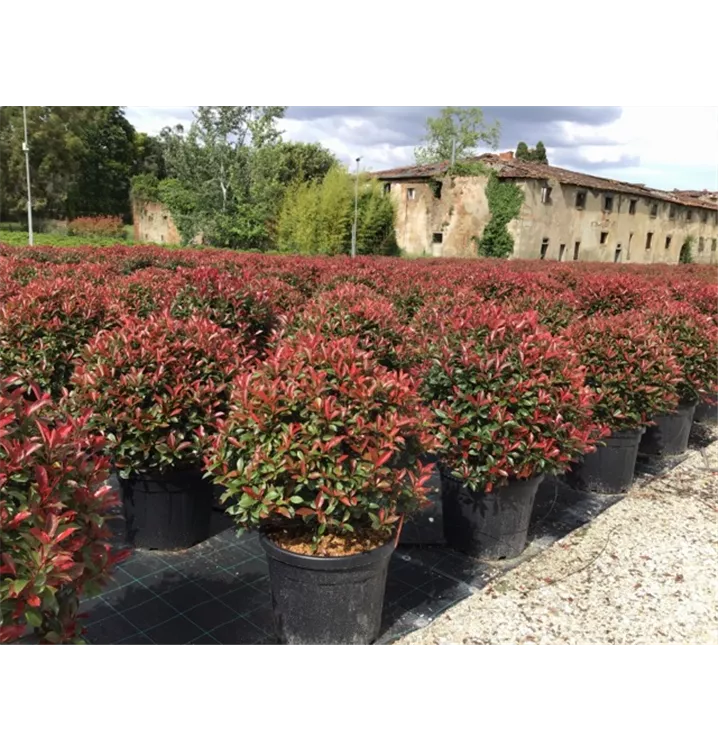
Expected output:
{"points": [[523, 170]]}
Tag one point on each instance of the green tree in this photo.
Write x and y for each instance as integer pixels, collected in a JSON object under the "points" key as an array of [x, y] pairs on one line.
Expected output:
{"points": [[317, 217], [221, 162], [522, 152], [539, 154], [463, 126], [81, 161]]}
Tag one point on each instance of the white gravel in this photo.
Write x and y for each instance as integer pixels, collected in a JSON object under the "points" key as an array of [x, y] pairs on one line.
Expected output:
{"points": [[644, 572]]}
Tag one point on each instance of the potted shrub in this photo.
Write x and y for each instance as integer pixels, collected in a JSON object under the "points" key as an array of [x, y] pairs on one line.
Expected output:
{"points": [[512, 406], [355, 310], [693, 339], [635, 375], [53, 500], [156, 387], [320, 453]]}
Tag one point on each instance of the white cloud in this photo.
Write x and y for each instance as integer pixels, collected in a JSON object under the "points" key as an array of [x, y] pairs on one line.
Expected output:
{"points": [[664, 147]]}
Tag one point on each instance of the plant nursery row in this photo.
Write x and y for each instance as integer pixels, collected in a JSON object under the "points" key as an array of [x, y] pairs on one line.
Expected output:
{"points": [[313, 398]]}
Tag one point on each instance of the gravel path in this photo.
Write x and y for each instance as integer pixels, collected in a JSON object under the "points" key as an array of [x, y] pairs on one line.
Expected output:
{"points": [[644, 572]]}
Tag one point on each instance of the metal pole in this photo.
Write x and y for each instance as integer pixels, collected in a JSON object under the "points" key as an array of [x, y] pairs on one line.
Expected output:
{"points": [[453, 152], [26, 149], [356, 210]]}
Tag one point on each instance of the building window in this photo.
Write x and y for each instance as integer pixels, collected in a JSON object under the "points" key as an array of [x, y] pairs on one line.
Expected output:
{"points": [[704, 217], [649, 240], [561, 251], [581, 200], [545, 195], [544, 248], [632, 206], [654, 210], [437, 238], [604, 237], [672, 211], [608, 203], [387, 187], [689, 215], [668, 242], [701, 244], [617, 255], [714, 245], [576, 248], [411, 194]]}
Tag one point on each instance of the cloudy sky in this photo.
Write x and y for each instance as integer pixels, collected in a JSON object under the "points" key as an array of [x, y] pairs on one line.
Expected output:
{"points": [[663, 147]]}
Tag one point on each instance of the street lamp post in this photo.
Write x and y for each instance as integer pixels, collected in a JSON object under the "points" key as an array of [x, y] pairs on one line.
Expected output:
{"points": [[26, 149], [356, 210]]}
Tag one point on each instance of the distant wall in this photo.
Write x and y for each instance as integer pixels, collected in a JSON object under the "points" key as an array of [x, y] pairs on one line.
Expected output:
{"points": [[153, 223]]}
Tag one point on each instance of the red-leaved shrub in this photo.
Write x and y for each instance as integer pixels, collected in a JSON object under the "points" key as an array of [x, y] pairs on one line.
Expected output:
{"points": [[96, 226], [322, 438], [510, 397], [629, 366], [53, 501], [157, 386]]}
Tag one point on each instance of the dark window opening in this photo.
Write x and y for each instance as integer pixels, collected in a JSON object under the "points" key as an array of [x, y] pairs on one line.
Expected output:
{"points": [[672, 212], [654, 210], [580, 200], [544, 248], [689, 215], [649, 240], [604, 237], [608, 203], [668, 241], [632, 207], [617, 256], [576, 249], [437, 238], [561, 251], [411, 194], [714, 245], [704, 217], [387, 187], [546, 195]]}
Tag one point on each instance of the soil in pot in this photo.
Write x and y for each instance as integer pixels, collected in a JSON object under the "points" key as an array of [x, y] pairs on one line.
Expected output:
{"points": [[609, 470], [491, 525], [669, 435], [706, 413], [327, 600], [167, 511]]}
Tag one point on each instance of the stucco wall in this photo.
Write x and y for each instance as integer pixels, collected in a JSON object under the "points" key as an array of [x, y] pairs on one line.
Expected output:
{"points": [[459, 215], [153, 223], [462, 211], [561, 222]]}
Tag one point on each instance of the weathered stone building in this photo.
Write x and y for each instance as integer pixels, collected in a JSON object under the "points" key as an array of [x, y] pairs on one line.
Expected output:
{"points": [[564, 216]]}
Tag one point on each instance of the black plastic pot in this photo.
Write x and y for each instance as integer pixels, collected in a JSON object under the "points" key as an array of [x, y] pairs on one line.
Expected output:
{"points": [[669, 435], [706, 412], [491, 525], [327, 600], [167, 511], [609, 470]]}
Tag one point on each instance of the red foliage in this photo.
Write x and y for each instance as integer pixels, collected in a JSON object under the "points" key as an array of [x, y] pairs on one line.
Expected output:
{"points": [[96, 226], [157, 386], [53, 502], [322, 435]]}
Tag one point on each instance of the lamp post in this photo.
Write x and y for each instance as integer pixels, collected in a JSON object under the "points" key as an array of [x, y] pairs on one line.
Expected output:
{"points": [[356, 210], [26, 149]]}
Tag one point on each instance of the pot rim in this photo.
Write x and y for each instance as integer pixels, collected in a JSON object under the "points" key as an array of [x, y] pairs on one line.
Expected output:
{"points": [[311, 562]]}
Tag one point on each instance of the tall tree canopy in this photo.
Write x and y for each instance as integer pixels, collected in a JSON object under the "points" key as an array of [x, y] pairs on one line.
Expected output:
{"points": [[537, 154], [81, 161], [464, 126], [229, 172]]}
